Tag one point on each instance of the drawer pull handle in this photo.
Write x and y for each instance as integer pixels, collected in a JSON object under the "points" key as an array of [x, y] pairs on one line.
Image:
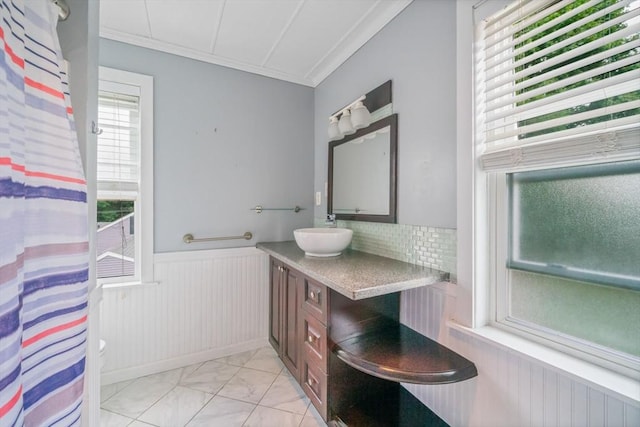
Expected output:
{"points": [[314, 295], [311, 338], [311, 381]]}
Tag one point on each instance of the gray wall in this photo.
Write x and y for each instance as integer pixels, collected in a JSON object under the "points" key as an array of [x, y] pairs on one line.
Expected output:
{"points": [[225, 141], [417, 51]]}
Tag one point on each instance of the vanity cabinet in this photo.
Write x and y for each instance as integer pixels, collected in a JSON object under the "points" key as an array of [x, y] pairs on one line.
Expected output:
{"points": [[285, 321], [336, 325], [298, 329]]}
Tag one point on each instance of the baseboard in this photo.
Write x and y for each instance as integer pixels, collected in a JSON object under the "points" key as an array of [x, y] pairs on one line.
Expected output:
{"points": [[178, 362]]}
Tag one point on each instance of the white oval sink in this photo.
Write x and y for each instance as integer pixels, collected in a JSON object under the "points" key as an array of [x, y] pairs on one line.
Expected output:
{"points": [[323, 242]]}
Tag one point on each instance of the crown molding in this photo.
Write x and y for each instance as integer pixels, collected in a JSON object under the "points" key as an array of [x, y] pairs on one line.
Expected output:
{"points": [[367, 29]]}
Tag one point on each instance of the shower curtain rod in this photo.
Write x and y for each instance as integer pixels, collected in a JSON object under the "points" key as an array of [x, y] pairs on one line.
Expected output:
{"points": [[65, 10]]}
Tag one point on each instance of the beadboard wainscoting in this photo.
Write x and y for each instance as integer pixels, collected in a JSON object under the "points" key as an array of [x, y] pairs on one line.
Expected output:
{"points": [[92, 383], [510, 389], [203, 305]]}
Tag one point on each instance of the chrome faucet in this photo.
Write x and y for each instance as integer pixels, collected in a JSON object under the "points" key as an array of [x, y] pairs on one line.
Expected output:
{"points": [[331, 221]]}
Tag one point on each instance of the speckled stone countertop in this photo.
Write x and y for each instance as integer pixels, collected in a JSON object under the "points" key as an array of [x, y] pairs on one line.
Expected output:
{"points": [[355, 274]]}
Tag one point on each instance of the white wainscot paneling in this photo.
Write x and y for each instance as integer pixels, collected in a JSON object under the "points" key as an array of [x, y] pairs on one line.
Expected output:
{"points": [[510, 389], [204, 305], [91, 402]]}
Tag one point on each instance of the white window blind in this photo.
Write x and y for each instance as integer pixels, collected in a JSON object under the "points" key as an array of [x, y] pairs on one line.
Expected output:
{"points": [[559, 84], [118, 145]]}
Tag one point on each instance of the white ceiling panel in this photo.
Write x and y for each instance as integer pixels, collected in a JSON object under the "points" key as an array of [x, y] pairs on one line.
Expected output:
{"points": [[301, 41], [250, 37], [124, 16], [189, 23]]}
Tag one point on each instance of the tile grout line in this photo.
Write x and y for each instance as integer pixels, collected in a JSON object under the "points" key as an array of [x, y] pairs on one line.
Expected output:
{"points": [[159, 399], [203, 406], [189, 388], [213, 395], [262, 397]]}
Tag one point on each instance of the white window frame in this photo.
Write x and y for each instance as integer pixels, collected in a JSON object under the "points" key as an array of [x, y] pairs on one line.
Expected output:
{"points": [[498, 235], [475, 289], [110, 79]]}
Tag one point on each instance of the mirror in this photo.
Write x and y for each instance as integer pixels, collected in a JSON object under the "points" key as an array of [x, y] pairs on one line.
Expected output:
{"points": [[362, 173]]}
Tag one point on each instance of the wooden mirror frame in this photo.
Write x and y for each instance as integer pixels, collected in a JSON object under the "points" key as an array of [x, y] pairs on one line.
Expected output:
{"points": [[391, 217]]}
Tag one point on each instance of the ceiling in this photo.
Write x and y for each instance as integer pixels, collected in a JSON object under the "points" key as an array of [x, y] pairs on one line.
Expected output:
{"points": [[301, 41]]}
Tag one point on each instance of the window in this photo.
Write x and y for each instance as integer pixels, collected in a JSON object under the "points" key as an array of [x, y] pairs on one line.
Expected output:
{"points": [[124, 242], [579, 223], [558, 134]]}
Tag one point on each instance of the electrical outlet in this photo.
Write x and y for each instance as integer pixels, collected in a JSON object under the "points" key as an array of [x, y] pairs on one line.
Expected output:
{"points": [[318, 198]]}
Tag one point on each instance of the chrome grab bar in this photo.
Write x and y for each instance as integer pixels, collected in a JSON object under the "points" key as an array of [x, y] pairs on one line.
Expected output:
{"points": [[347, 210], [188, 238], [259, 209]]}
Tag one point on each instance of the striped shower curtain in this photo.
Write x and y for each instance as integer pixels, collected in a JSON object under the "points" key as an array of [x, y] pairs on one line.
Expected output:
{"points": [[43, 226]]}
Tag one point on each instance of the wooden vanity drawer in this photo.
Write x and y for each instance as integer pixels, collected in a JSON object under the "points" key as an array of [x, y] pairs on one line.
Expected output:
{"points": [[314, 384], [315, 341], [315, 298]]}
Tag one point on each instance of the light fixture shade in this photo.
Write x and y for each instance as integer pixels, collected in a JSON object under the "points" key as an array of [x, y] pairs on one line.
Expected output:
{"points": [[360, 116], [334, 130], [345, 123]]}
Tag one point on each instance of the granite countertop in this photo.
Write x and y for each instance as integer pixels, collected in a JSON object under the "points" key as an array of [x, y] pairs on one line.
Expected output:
{"points": [[355, 274]]}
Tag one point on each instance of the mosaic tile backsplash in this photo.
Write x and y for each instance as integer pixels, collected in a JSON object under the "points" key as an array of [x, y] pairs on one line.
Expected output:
{"points": [[427, 246]]}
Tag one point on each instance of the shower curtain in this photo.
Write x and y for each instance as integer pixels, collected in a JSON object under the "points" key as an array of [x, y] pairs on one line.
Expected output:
{"points": [[43, 226]]}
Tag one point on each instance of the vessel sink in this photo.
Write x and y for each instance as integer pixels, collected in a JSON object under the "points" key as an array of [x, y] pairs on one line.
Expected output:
{"points": [[323, 242]]}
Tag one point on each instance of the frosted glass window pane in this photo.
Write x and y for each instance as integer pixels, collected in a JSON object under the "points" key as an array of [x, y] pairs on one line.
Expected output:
{"points": [[600, 314], [579, 222]]}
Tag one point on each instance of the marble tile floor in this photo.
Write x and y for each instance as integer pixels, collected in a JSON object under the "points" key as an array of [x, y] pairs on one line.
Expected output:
{"points": [[246, 389]]}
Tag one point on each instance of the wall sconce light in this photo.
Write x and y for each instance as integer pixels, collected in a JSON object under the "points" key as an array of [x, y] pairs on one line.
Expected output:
{"points": [[352, 117], [346, 128], [360, 116], [334, 130]]}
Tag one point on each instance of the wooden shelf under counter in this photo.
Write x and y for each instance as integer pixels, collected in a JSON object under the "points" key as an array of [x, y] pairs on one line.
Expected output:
{"points": [[371, 353], [397, 353]]}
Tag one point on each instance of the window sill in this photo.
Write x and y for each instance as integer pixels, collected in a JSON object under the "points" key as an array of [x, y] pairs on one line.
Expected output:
{"points": [[605, 380], [120, 285]]}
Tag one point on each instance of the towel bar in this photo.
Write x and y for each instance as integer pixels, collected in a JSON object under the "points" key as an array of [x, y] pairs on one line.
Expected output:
{"points": [[188, 238]]}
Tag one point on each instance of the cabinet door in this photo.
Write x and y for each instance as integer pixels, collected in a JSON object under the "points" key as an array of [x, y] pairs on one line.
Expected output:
{"points": [[275, 304], [291, 343]]}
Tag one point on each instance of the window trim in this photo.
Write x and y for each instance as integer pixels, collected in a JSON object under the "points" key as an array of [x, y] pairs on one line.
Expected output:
{"points": [[492, 221], [472, 289], [144, 203], [497, 232]]}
